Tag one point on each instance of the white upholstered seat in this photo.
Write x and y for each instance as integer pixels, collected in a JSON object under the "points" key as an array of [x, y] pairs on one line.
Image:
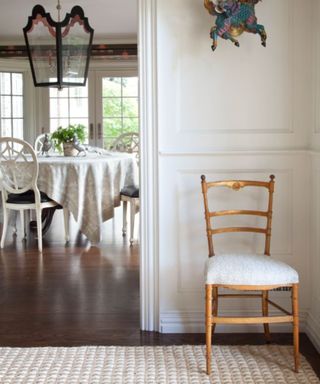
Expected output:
{"points": [[248, 269]]}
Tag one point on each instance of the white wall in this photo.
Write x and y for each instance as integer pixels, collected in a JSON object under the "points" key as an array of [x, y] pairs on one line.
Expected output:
{"points": [[314, 313], [237, 113]]}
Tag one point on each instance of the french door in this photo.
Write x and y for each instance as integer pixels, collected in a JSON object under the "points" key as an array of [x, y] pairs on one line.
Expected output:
{"points": [[116, 107], [107, 106]]}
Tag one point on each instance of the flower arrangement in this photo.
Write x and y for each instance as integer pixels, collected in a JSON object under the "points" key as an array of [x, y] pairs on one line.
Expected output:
{"points": [[71, 134]]}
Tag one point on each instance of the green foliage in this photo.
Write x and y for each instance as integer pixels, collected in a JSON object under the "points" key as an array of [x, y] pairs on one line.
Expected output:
{"points": [[120, 107], [67, 135]]}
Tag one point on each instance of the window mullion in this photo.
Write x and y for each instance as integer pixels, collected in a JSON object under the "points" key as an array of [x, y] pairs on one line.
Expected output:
{"points": [[11, 102]]}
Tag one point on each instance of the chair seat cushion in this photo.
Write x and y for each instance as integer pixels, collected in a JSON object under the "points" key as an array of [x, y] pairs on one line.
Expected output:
{"points": [[131, 191], [26, 198], [248, 269]]}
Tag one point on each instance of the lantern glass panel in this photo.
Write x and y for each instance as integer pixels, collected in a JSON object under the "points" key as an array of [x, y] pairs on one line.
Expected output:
{"points": [[75, 43], [42, 44]]}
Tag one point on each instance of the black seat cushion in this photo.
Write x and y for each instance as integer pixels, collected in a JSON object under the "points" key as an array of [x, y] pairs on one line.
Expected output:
{"points": [[130, 191], [26, 198]]}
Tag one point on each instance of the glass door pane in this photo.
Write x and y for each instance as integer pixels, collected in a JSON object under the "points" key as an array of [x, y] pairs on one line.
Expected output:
{"points": [[69, 106], [117, 108]]}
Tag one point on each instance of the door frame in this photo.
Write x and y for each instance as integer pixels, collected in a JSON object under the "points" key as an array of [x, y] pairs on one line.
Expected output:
{"points": [[149, 210]]}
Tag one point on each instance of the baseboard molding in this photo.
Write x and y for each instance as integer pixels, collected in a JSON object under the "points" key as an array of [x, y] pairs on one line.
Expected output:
{"points": [[193, 322], [312, 330]]}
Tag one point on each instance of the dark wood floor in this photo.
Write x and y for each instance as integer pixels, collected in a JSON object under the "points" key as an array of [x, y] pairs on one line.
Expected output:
{"points": [[82, 295]]}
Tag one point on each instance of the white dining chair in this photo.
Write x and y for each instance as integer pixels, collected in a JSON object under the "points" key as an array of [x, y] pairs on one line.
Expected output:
{"points": [[19, 190], [129, 143], [39, 150]]}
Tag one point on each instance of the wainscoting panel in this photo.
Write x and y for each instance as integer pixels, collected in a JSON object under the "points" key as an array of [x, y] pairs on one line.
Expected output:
{"points": [[235, 98], [314, 315]]}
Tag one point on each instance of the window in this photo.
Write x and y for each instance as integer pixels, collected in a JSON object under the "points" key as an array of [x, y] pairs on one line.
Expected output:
{"points": [[120, 106], [68, 106], [11, 104]]}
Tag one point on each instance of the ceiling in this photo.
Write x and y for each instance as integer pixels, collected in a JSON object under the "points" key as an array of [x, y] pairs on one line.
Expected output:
{"points": [[116, 19]]}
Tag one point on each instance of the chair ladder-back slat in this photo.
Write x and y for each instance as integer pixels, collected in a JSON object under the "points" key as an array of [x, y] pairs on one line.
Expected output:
{"points": [[238, 212], [236, 185]]}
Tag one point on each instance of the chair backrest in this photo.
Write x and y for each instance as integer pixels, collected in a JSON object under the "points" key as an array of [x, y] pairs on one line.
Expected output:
{"points": [[18, 165], [236, 185], [127, 142], [39, 142]]}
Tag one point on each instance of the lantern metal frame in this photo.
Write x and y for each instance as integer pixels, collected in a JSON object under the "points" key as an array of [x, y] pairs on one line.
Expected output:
{"points": [[76, 11]]}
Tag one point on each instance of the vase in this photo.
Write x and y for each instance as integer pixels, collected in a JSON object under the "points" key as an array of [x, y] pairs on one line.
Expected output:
{"points": [[69, 150]]}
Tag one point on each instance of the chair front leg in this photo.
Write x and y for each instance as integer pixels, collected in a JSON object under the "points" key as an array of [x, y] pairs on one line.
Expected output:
{"points": [[39, 227], [5, 225], [295, 312], [208, 326], [22, 223], [66, 217], [133, 209]]}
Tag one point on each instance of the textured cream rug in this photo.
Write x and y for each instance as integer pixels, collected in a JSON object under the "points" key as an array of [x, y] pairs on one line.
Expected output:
{"points": [[152, 365]]}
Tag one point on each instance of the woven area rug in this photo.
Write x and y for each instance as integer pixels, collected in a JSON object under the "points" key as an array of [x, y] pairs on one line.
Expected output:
{"points": [[171, 364]]}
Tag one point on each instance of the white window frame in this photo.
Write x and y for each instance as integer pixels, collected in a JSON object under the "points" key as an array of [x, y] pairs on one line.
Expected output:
{"points": [[29, 95]]}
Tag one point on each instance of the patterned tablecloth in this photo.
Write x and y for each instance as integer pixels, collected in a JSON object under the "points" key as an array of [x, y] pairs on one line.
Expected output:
{"points": [[88, 186]]}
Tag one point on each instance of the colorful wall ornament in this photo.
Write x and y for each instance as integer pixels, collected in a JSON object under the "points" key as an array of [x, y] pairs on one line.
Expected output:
{"points": [[233, 17]]}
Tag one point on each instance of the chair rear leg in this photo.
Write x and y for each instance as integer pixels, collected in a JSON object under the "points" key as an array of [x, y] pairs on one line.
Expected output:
{"points": [[124, 217], [208, 326], [295, 312], [215, 306], [5, 226], [265, 312]]}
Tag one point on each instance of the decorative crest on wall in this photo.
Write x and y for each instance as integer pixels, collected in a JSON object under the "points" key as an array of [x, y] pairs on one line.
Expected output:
{"points": [[233, 17]]}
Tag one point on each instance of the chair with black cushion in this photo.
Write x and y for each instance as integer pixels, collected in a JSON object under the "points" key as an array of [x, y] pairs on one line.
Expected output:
{"points": [[129, 143], [19, 168], [244, 271]]}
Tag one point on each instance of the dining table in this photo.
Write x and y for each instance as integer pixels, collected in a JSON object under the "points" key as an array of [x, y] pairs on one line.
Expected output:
{"points": [[88, 186]]}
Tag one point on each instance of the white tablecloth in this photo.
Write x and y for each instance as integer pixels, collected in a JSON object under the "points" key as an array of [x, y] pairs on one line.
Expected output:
{"points": [[88, 186]]}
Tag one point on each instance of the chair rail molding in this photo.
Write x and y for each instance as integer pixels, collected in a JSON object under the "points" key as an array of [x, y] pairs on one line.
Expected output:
{"points": [[149, 266]]}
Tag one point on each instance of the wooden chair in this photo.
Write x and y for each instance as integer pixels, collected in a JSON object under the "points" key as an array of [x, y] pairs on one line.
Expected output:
{"points": [[246, 272], [129, 142], [19, 168]]}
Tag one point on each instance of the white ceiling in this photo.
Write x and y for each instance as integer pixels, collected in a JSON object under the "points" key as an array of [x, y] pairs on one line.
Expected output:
{"points": [[109, 18]]}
